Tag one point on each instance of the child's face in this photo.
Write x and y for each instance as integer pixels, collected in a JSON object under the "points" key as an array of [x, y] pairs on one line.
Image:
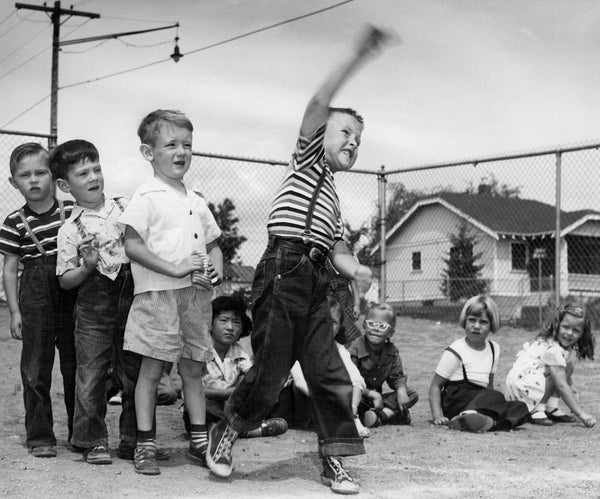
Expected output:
{"points": [[341, 141], [85, 183], [569, 330], [377, 327], [171, 154], [477, 329], [33, 178], [226, 327]]}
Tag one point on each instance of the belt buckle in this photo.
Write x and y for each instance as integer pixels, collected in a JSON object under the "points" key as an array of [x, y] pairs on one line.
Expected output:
{"points": [[315, 254]]}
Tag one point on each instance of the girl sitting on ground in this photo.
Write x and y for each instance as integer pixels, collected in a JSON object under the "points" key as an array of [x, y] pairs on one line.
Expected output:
{"points": [[542, 373], [461, 393]]}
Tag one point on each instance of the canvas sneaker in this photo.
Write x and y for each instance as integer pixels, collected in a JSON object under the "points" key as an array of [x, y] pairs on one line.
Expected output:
{"points": [[362, 431], [144, 461], [100, 454], [337, 477], [220, 441], [43, 451], [471, 421], [197, 454], [126, 451]]}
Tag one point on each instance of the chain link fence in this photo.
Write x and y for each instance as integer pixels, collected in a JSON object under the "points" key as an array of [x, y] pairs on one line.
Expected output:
{"points": [[451, 230]]}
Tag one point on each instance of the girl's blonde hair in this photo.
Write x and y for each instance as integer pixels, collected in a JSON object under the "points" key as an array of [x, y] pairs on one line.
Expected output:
{"points": [[477, 305], [585, 345]]}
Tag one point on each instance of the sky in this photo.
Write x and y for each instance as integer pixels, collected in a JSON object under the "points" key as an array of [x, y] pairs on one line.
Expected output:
{"points": [[471, 78]]}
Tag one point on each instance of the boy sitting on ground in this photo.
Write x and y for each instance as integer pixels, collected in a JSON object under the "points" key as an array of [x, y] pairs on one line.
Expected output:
{"points": [[378, 360]]}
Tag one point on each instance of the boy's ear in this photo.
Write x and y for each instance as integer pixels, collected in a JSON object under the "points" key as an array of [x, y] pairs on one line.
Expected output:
{"points": [[146, 151], [12, 182], [63, 185]]}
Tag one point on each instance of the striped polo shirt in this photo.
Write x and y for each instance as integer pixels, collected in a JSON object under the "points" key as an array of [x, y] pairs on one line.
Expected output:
{"points": [[16, 240], [289, 210]]}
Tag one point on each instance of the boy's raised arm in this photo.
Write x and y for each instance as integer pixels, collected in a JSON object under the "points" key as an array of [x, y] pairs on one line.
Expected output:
{"points": [[370, 41]]}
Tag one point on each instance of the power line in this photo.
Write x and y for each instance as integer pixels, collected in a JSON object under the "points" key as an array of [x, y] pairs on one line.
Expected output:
{"points": [[24, 44], [25, 111], [13, 26], [7, 17], [24, 62]]}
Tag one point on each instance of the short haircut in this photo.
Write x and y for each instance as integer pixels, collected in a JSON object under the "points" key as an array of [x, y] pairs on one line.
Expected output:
{"points": [[150, 125], [479, 305], [384, 307], [228, 303], [349, 111], [68, 154], [23, 151], [586, 344]]}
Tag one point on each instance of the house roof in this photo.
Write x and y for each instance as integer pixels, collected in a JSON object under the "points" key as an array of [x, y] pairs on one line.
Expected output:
{"points": [[238, 273], [502, 217]]}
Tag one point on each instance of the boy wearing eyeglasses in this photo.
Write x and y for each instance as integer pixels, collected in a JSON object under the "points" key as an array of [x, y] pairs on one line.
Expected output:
{"points": [[378, 361]]}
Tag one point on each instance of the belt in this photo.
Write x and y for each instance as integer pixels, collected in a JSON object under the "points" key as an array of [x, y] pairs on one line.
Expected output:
{"points": [[316, 253], [40, 261]]}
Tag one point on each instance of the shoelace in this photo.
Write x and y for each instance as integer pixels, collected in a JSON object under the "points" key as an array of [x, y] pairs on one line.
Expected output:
{"points": [[225, 443], [339, 471]]}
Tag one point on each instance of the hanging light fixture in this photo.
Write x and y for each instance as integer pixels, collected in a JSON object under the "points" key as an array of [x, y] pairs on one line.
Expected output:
{"points": [[176, 55]]}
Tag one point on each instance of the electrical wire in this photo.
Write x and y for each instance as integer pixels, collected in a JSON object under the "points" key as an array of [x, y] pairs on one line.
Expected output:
{"points": [[8, 17], [137, 46], [22, 20], [25, 111], [86, 50], [24, 62], [24, 44]]}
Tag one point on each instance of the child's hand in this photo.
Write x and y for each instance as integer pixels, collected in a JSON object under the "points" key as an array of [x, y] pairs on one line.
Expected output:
{"points": [[88, 249], [373, 39], [441, 421], [15, 326], [188, 265], [213, 275], [375, 397], [588, 419]]}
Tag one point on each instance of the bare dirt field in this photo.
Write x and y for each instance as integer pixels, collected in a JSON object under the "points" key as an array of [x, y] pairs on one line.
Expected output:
{"points": [[418, 461]]}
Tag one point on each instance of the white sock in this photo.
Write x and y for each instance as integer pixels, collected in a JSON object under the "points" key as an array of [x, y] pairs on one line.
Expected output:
{"points": [[552, 404]]}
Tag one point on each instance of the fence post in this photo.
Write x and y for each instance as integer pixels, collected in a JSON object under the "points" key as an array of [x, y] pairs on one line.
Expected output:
{"points": [[382, 181], [557, 244]]}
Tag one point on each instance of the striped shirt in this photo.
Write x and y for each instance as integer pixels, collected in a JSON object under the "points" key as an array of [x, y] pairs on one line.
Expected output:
{"points": [[16, 240], [289, 210]]}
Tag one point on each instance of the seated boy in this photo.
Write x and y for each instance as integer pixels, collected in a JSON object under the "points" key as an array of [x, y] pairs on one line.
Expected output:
{"points": [[230, 363], [171, 238], [91, 257], [41, 313], [378, 360]]}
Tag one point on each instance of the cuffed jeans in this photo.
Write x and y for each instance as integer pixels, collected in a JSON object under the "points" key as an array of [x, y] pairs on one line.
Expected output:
{"points": [[100, 317], [292, 322], [47, 324]]}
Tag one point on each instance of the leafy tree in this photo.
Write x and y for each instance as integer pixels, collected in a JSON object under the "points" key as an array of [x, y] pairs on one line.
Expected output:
{"points": [[230, 240], [492, 187], [462, 275]]}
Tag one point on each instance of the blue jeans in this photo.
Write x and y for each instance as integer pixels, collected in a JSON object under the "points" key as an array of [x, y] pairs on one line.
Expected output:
{"points": [[47, 324], [100, 317], [292, 322]]}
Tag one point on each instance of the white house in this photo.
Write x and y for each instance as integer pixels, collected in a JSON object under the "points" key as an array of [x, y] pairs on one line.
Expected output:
{"points": [[511, 234]]}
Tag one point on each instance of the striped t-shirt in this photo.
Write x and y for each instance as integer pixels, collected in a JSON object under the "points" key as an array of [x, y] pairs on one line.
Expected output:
{"points": [[16, 240], [289, 210]]}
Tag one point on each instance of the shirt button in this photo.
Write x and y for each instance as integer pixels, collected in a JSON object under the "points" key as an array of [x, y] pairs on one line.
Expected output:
{"points": [[190, 212], [196, 236]]}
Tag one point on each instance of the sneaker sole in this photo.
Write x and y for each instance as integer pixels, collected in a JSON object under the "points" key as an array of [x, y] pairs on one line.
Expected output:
{"points": [[155, 471], [99, 461], [474, 422], [221, 470], [339, 489]]}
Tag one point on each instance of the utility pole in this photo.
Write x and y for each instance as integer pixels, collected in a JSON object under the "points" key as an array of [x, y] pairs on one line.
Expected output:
{"points": [[56, 13]]}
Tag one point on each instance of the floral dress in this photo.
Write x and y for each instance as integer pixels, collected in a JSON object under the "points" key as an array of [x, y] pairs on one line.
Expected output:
{"points": [[526, 381]]}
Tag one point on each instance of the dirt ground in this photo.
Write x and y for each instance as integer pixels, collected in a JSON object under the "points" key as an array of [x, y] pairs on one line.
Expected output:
{"points": [[417, 461]]}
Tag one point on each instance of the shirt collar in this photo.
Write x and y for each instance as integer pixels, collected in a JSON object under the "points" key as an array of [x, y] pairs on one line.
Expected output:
{"points": [[78, 210]]}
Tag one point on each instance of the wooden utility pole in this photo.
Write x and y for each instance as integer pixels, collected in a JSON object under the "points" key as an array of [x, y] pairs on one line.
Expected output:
{"points": [[56, 13]]}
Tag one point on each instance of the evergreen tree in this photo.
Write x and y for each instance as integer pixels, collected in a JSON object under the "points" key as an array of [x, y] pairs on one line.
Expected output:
{"points": [[462, 275], [230, 240]]}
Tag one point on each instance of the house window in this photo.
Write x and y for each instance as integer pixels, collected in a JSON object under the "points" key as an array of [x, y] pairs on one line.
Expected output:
{"points": [[518, 254], [416, 260]]}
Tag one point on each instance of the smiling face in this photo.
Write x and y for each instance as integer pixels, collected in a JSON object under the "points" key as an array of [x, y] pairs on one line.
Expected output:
{"points": [[377, 327], [170, 154], [570, 330], [85, 183], [477, 329], [226, 328], [33, 178], [341, 141]]}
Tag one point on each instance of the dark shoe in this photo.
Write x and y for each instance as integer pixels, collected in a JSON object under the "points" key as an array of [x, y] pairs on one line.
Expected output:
{"points": [[220, 441], [273, 427], [43, 451], [558, 416], [100, 454], [197, 454], [371, 419], [126, 452], [337, 477], [541, 421], [116, 399], [471, 421], [144, 461], [404, 416]]}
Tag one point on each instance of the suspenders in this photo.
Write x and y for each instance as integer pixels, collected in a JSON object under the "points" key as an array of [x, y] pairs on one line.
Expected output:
{"points": [[36, 241], [306, 239], [465, 378], [81, 227]]}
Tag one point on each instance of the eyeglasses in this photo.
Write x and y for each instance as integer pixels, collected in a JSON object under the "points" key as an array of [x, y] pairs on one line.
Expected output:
{"points": [[377, 326]]}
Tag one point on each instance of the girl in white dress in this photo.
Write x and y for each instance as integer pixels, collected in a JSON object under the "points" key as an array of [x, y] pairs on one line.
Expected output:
{"points": [[543, 370]]}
